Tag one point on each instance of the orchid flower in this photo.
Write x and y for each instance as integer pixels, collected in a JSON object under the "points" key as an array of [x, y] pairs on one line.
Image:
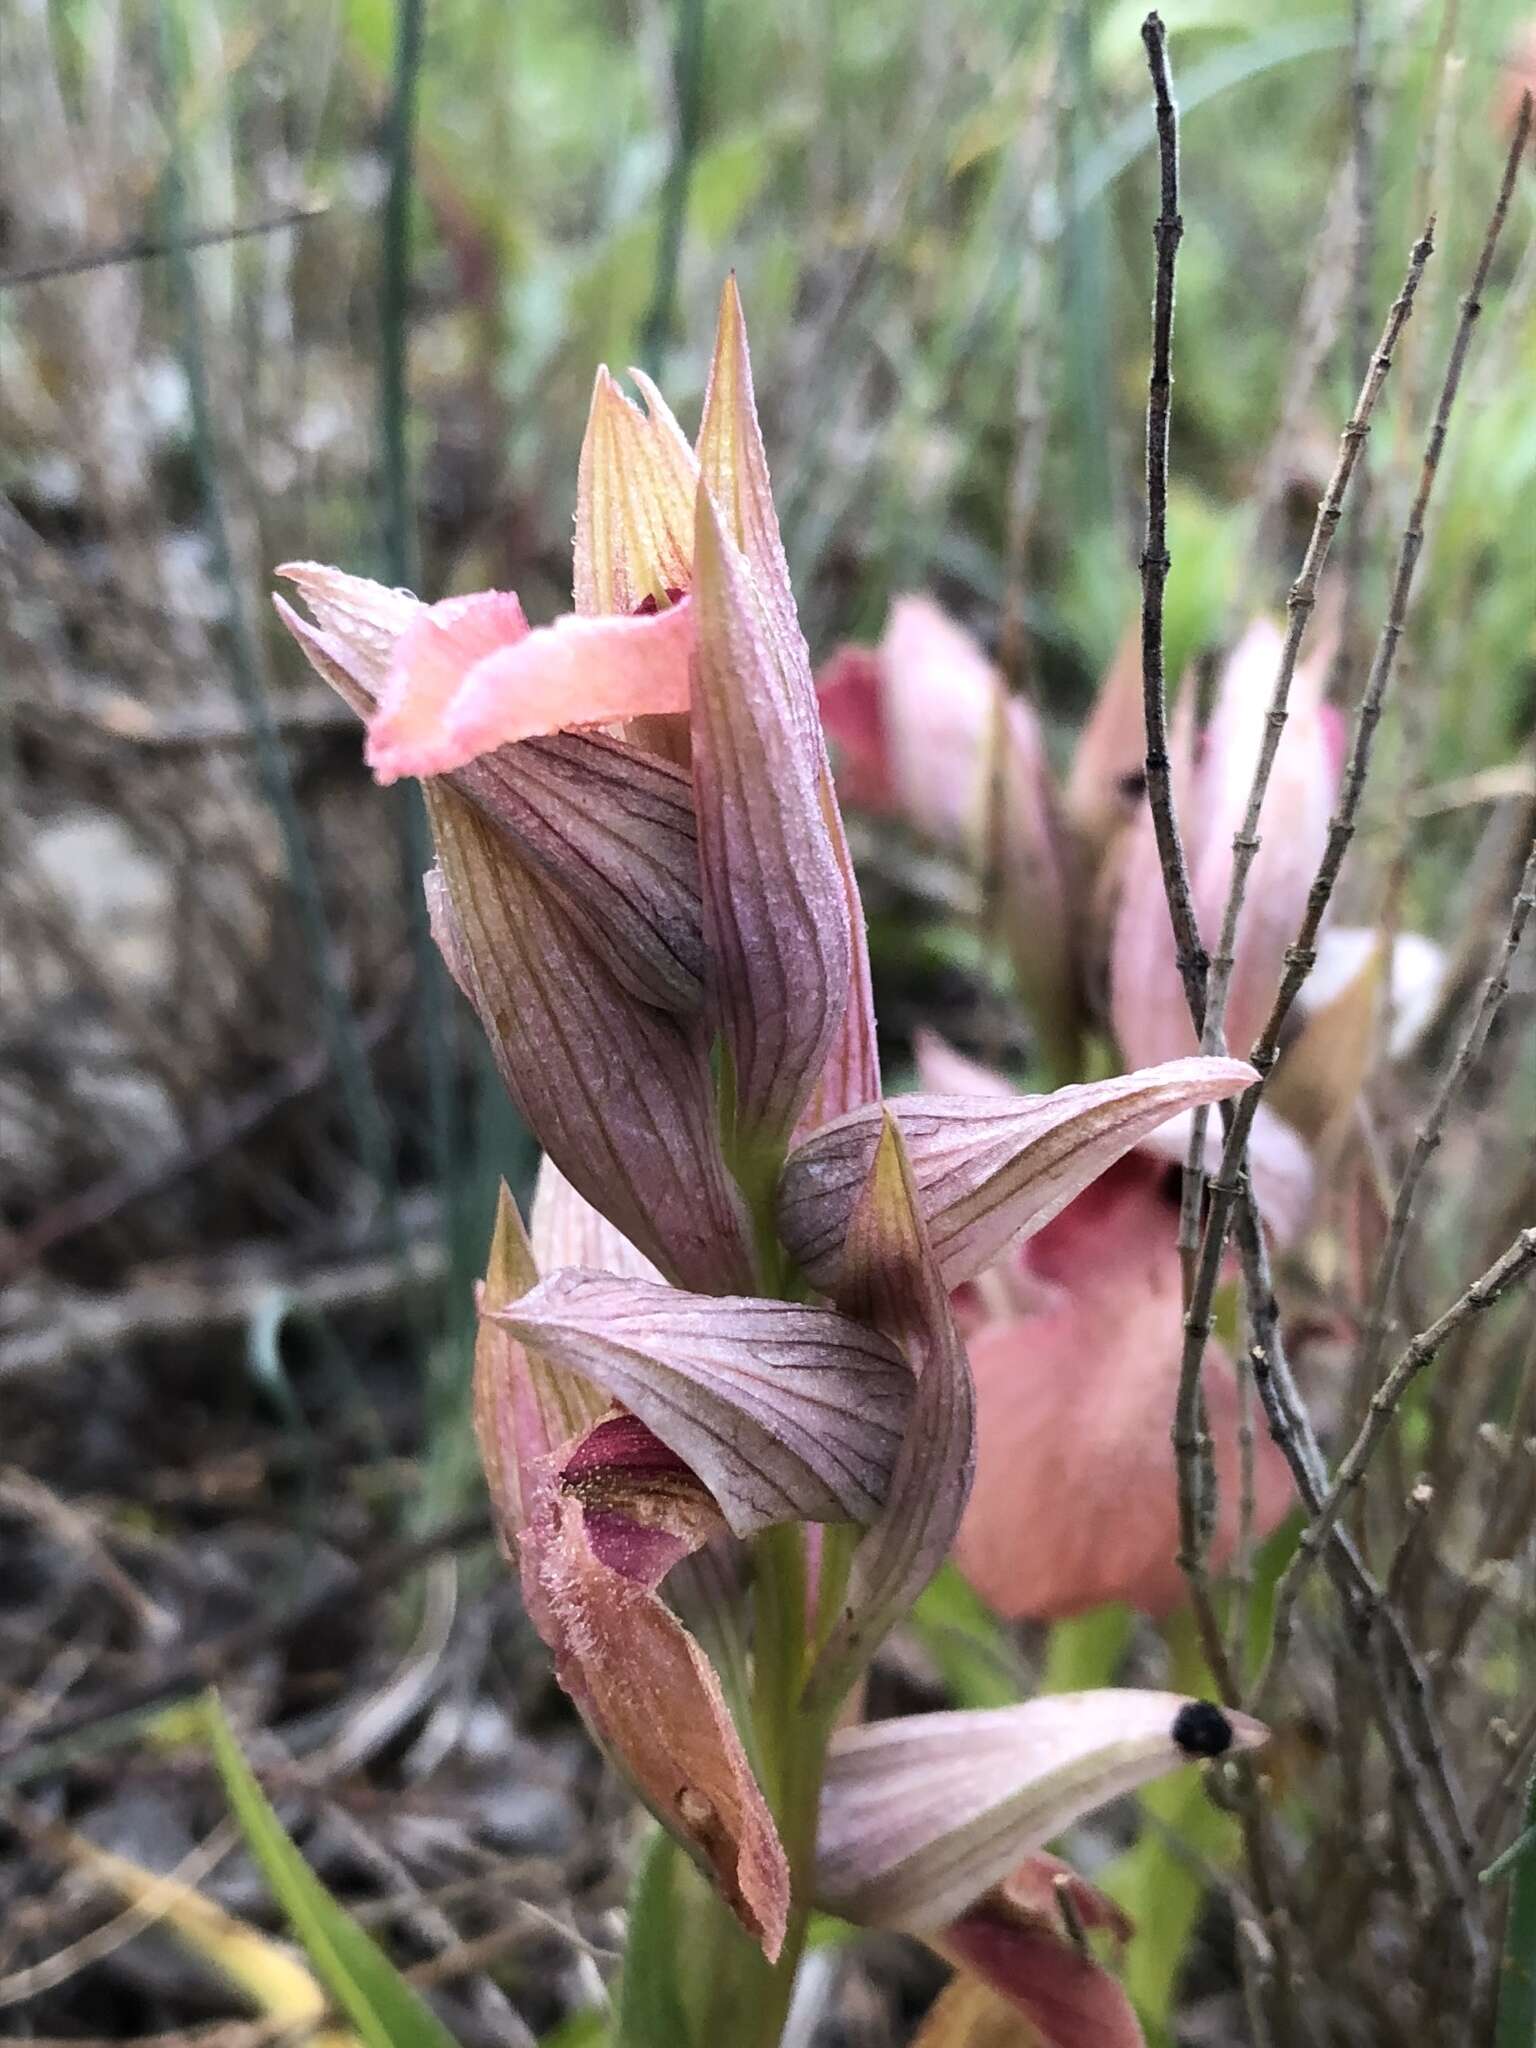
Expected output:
{"points": [[729, 1328], [1074, 1337], [936, 1823]]}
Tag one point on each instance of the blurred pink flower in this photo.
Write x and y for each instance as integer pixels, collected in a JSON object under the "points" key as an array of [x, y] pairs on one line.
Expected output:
{"points": [[1212, 776], [1074, 1348], [921, 723], [924, 730]]}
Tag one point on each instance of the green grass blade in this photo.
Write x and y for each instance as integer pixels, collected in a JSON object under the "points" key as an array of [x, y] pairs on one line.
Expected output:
{"points": [[1085, 1651], [651, 2006], [977, 1658], [1516, 2026], [364, 1112], [365, 1984], [688, 80]]}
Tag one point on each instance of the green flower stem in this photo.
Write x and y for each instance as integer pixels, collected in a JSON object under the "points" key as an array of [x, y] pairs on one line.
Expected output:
{"points": [[792, 1744], [747, 1998], [730, 1991], [779, 1634], [838, 1543]]}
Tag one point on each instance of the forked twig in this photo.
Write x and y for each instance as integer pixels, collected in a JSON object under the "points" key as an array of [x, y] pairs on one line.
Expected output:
{"points": [[1430, 1132], [1299, 606], [1194, 1511], [1166, 233], [1407, 1718], [1230, 1179], [1420, 1351]]}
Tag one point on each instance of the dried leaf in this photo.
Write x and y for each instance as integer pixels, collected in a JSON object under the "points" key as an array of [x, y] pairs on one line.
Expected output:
{"points": [[359, 1976], [650, 1695], [785, 1413], [600, 1510], [266, 1971], [987, 1168]]}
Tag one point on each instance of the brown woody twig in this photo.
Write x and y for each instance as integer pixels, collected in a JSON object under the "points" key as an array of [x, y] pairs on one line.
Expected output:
{"points": [[1425, 1144]]}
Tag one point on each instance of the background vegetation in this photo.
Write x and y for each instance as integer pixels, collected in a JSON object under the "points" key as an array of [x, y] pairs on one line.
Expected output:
{"points": [[247, 1141]]}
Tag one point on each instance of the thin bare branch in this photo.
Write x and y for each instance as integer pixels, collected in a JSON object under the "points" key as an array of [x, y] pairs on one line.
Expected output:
{"points": [[1167, 232], [144, 248], [1431, 1131], [1362, 182], [1300, 605], [1230, 1180], [1421, 1350], [1405, 1710], [1195, 1509]]}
